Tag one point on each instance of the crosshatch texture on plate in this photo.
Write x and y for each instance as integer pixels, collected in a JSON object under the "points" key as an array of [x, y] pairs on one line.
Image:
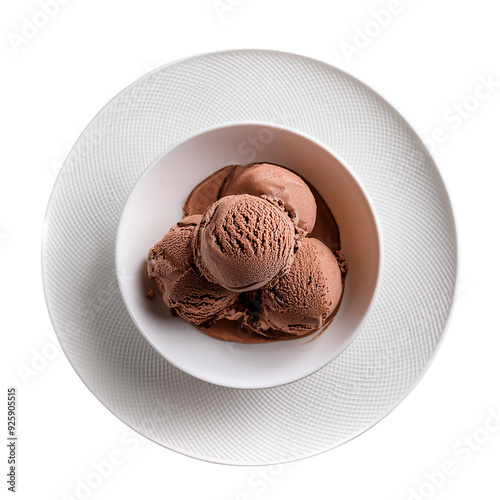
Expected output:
{"points": [[262, 426]]}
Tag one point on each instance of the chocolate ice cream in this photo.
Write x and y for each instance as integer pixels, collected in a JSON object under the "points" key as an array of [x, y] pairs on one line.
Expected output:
{"points": [[256, 258], [302, 300], [170, 264], [243, 242], [276, 184], [206, 192]]}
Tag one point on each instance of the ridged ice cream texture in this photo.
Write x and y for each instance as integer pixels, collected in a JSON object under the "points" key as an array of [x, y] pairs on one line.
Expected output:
{"points": [[304, 298], [193, 297], [243, 242]]}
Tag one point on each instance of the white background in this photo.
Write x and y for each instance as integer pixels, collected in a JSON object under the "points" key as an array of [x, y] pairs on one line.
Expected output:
{"points": [[428, 60]]}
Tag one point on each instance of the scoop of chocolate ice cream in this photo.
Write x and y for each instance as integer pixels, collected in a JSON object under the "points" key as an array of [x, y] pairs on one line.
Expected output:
{"points": [[243, 242], [302, 300], [276, 184], [193, 297], [197, 300]]}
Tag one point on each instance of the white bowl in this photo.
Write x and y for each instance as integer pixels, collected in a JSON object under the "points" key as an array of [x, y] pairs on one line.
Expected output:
{"points": [[155, 204]]}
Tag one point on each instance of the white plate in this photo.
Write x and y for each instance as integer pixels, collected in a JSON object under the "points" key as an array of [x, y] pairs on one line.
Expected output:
{"points": [[207, 421], [155, 204]]}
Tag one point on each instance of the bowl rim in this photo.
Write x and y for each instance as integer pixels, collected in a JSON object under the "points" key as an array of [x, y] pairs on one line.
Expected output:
{"points": [[343, 163]]}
